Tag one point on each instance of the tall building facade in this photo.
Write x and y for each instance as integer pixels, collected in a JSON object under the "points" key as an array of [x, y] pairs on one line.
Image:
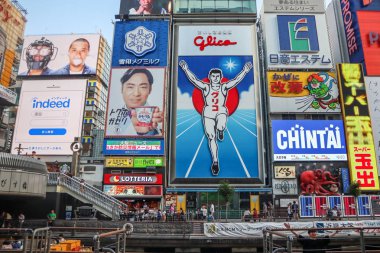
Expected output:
{"points": [[12, 26]]}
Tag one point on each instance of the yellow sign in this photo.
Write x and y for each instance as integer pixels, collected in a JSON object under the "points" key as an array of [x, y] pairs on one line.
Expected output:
{"points": [[119, 162], [361, 150], [362, 164], [284, 171], [181, 202], [255, 203], [298, 84]]}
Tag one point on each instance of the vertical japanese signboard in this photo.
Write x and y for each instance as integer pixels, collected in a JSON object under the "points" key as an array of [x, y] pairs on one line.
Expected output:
{"points": [[360, 145]]}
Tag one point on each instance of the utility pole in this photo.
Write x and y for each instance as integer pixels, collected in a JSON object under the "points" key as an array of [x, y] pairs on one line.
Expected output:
{"points": [[19, 149], [76, 147]]}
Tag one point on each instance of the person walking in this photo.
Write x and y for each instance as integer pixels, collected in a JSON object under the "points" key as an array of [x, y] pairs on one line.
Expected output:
{"points": [[21, 219], [290, 212], [270, 210], [295, 209], [265, 210], [212, 210], [52, 216]]}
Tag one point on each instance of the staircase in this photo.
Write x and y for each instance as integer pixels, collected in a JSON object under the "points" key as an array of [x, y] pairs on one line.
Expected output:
{"points": [[87, 194]]}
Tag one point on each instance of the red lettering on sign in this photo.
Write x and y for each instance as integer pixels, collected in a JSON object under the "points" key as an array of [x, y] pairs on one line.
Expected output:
{"points": [[200, 42]]}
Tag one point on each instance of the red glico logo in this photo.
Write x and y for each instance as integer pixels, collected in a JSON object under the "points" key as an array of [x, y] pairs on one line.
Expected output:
{"points": [[200, 42]]}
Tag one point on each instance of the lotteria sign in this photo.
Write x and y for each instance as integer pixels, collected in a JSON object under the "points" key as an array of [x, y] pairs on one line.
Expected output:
{"points": [[132, 179], [305, 140]]}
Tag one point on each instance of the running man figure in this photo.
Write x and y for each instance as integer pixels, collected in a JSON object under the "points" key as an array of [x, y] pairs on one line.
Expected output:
{"points": [[215, 112]]}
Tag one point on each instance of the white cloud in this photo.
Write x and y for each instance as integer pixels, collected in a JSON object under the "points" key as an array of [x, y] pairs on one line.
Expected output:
{"points": [[184, 100], [247, 98]]}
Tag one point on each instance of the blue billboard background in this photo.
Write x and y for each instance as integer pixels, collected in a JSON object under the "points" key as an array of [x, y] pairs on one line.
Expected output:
{"points": [[238, 154], [156, 52], [330, 128], [354, 6]]}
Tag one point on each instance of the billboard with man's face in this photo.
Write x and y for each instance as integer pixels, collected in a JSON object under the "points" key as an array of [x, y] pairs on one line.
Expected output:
{"points": [[144, 7], [50, 116], [57, 55], [136, 103], [215, 132]]}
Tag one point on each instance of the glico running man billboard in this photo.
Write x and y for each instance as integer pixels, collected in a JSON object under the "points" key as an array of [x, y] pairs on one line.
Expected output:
{"points": [[50, 116], [59, 55], [215, 129]]}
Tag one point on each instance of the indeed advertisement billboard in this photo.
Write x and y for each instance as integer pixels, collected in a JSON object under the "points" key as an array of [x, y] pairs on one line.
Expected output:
{"points": [[59, 55], [351, 25], [311, 92], [297, 41], [308, 140], [50, 116], [140, 43], [215, 118]]}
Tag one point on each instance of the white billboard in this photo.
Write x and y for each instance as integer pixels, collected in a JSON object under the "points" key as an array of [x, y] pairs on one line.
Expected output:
{"points": [[57, 55], [50, 116], [297, 41], [215, 40], [310, 6], [373, 96], [136, 102]]}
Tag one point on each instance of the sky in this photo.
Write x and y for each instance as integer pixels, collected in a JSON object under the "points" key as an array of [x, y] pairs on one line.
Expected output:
{"points": [[73, 16], [70, 16]]}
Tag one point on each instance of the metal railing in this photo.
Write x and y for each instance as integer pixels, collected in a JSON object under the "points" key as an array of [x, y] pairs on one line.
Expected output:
{"points": [[40, 240], [88, 192], [279, 240], [125, 231], [24, 232]]}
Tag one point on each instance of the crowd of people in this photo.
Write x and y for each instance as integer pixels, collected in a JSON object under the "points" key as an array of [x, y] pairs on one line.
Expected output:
{"points": [[8, 220], [171, 213]]}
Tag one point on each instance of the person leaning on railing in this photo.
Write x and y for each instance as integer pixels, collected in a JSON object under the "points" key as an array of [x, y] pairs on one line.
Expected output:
{"points": [[312, 243]]}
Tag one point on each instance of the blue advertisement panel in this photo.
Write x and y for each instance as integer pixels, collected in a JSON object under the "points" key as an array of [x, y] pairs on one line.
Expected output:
{"points": [[133, 147], [216, 133], [140, 43], [335, 201], [351, 25], [364, 207], [345, 180], [305, 140], [306, 206]]}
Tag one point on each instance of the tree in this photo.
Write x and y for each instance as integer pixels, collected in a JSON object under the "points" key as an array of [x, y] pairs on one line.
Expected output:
{"points": [[354, 189], [226, 191]]}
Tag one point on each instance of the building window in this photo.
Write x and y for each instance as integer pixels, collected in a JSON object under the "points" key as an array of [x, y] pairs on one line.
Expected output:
{"points": [[288, 116]]}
